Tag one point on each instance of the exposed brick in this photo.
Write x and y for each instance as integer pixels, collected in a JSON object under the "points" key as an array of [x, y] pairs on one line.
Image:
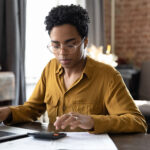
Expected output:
{"points": [[132, 29]]}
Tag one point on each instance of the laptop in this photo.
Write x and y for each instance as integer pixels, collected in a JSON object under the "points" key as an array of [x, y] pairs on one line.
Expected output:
{"points": [[8, 133]]}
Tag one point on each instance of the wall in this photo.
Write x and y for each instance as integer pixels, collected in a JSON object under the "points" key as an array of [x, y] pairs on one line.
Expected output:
{"points": [[132, 29], [107, 21]]}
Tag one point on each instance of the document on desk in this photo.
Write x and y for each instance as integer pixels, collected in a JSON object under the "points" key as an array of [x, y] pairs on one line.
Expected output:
{"points": [[73, 141]]}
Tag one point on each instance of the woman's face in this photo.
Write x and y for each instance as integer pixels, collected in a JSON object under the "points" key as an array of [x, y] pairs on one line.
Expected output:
{"points": [[64, 37]]}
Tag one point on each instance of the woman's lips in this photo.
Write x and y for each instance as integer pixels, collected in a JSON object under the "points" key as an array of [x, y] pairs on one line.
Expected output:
{"points": [[65, 61]]}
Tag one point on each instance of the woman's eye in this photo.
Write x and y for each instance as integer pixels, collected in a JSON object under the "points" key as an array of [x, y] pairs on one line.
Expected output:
{"points": [[70, 46], [56, 46]]}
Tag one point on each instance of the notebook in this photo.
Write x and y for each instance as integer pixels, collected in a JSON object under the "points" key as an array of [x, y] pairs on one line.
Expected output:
{"points": [[9, 133]]}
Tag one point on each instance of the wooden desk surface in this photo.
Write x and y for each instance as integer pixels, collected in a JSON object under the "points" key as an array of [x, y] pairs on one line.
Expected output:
{"points": [[137, 141]]}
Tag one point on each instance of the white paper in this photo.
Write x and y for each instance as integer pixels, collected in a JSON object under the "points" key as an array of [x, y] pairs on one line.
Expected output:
{"points": [[73, 141]]}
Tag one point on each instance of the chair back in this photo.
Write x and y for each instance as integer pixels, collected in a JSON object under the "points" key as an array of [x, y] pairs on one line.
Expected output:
{"points": [[144, 86]]}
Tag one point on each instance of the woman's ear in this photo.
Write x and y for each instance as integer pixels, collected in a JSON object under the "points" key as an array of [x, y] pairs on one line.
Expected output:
{"points": [[85, 42]]}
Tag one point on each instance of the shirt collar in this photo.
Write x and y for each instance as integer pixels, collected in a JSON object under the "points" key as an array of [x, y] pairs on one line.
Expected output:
{"points": [[88, 67], [59, 69]]}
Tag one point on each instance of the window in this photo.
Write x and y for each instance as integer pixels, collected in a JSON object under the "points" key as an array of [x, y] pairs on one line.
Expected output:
{"points": [[37, 38]]}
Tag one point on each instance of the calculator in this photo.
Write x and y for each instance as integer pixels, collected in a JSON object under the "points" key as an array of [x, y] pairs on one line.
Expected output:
{"points": [[47, 135]]}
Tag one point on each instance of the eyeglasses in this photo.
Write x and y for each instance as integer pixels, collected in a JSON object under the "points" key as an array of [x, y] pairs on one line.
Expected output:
{"points": [[69, 48]]}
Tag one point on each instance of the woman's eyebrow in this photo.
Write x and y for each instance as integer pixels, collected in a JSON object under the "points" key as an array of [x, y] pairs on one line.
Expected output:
{"points": [[57, 42], [66, 41], [69, 40]]}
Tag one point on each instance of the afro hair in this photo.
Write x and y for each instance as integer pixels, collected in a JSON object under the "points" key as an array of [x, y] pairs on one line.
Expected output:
{"points": [[72, 14]]}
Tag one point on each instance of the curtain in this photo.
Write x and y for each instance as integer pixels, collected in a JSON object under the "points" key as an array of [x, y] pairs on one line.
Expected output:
{"points": [[12, 43], [96, 27]]}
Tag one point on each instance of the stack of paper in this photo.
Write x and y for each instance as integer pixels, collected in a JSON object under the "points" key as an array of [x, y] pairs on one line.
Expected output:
{"points": [[73, 141]]}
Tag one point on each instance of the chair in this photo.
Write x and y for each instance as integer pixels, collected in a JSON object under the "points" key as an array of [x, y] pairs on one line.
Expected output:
{"points": [[144, 86], [144, 92], [7, 88]]}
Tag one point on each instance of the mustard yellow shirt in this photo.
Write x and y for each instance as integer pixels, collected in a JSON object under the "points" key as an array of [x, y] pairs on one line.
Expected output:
{"points": [[100, 92]]}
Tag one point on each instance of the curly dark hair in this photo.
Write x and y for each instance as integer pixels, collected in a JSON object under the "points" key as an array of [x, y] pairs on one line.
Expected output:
{"points": [[72, 14]]}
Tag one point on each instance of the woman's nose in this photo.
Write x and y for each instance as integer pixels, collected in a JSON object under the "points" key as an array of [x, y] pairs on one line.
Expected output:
{"points": [[62, 49]]}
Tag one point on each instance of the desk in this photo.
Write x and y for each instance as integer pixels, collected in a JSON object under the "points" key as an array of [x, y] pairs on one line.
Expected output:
{"points": [[123, 141]]}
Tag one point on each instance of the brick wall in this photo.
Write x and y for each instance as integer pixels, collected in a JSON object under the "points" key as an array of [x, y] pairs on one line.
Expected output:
{"points": [[132, 29]]}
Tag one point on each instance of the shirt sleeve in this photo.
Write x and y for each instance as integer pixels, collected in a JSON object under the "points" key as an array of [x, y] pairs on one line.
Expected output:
{"points": [[34, 107], [123, 115]]}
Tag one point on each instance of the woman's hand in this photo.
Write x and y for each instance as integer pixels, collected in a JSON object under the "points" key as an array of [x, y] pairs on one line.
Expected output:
{"points": [[74, 120]]}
